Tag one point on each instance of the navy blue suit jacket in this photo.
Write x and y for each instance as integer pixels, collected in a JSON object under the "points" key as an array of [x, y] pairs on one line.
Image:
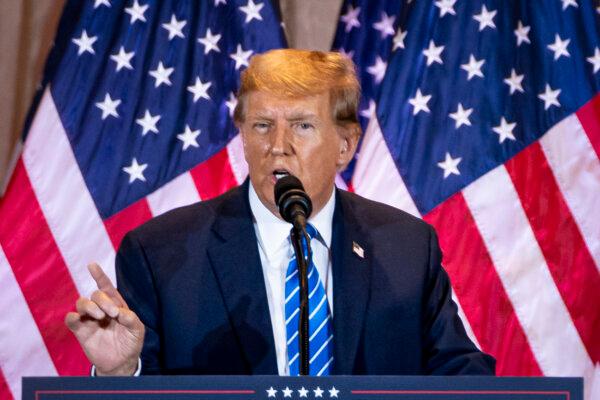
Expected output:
{"points": [[195, 279]]}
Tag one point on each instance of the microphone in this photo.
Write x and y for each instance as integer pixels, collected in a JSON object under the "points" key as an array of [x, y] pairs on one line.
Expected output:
{"points": [[293, 202], [295, 207]]}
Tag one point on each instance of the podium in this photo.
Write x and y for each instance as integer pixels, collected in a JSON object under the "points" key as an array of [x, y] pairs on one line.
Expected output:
{"points": [[297, 388]]}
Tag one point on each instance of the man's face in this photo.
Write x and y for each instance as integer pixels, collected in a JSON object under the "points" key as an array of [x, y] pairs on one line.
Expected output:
{"points": [[296, 136]]}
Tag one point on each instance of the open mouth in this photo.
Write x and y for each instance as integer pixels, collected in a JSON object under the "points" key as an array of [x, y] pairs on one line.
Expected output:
{"points": [[280, 173]]}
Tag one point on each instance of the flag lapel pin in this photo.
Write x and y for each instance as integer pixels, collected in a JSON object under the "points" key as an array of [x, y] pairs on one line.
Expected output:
{"points": [[359, 251]]}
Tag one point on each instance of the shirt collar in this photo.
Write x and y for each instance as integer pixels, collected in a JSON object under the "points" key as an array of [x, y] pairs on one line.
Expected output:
{"points": [[274, 232]]}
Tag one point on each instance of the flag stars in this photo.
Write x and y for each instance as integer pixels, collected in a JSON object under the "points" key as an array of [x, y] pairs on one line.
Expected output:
{"points": [[136, 171], [210, 42], [85, 43], [350, 19], [199, 89], [303, 392], [386, 25], [450, 165], [419, 102], [189, 139], [514, 82], [461, 116], [333, 392], [148, 123], [109, 107], [433, 53], [567, 3], [217, 2], [123, 59], [486, 18], [175, 27], [595, 60], [399, 39], [377, 69], [473, 67], [559, 47], [505, 130], [241, 57], [98, 3], [370, 111], [318, 392], [446, 7], [550, 97], [522, 34], [287, 392], [161, 75], [271, 392], [231, 103], [136, 12], [252, 11]]}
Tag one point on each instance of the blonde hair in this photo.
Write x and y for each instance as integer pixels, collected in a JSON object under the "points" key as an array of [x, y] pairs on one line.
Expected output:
{"points": [[299, 73]]}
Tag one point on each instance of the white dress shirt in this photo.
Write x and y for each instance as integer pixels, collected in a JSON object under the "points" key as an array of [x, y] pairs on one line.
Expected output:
{"points": [[275, 249]]}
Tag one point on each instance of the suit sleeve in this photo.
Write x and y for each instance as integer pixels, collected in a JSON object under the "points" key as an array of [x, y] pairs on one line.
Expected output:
{"points": [[136, 284], [447, 348]]}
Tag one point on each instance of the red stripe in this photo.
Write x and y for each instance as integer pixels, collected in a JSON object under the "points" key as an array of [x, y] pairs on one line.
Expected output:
{"points": [[124, 221], [5, 392], [214, 176], [562, 244], [589, 116], [40, 271], [471, 270]]}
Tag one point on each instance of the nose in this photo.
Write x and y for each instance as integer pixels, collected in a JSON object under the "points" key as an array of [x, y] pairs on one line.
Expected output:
{"points": [[279, 140]]}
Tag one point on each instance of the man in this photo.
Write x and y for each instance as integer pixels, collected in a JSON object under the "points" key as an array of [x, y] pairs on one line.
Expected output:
{"points": [[206, 288]]}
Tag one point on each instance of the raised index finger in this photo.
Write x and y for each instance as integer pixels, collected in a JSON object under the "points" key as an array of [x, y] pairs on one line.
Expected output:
{"points": [[104, 284]]}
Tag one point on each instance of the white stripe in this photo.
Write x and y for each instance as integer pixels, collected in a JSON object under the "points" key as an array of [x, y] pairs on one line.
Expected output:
{"points": [[310, 295], [320, 349], [237, 160], [292, 275], [292, 294], [318, 307], [179, 192], [64, 197], [522, 269], [292, 338], [325, 367], [318, 329], [292, 316], [294, 359], [376, 175], [22, 352], [577, 170]]}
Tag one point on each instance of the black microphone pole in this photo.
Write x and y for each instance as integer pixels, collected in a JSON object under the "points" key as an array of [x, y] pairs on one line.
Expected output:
{"points": [[295, 207]]}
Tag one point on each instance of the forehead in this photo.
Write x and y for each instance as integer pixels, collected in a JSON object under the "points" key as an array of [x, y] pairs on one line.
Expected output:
{"points": [[263, 103]]}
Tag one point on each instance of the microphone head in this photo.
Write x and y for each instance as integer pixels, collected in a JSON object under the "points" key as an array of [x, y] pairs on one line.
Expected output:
{"points": [[291, 198]]}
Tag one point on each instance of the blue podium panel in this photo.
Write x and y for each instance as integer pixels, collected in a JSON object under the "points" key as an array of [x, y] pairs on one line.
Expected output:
{"points": [[297, 388]]}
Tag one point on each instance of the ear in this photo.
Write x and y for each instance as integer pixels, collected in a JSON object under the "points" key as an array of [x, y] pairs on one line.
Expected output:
{"points": [[349, 136]]}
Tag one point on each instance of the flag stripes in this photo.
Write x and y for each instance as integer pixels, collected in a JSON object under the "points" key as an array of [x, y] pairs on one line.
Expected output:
{"points": [[20, 335], [72, 217], [479, 290], [548, 215], [577, 170], [523, 271], [50, 293]]}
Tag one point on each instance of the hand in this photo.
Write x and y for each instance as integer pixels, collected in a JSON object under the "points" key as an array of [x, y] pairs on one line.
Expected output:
{"points": [[110, 334]]}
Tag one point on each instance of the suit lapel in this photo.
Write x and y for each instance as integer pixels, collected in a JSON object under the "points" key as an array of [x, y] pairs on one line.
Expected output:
{"points": [[351, 283], [233, 253]]}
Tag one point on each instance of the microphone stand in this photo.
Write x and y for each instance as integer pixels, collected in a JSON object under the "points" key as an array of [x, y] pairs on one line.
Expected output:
{"points": [[298, 233]]}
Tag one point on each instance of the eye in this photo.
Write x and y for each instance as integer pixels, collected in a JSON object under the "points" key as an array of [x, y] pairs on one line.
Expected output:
{"points": [[261, 127], [304, 126]]}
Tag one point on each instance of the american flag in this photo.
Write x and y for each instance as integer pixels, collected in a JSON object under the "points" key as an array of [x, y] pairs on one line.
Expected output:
{"points": [[482, 117], [134, 119]]}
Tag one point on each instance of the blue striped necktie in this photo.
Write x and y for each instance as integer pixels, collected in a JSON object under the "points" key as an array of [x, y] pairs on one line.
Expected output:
{"points": [[320, 324]]}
